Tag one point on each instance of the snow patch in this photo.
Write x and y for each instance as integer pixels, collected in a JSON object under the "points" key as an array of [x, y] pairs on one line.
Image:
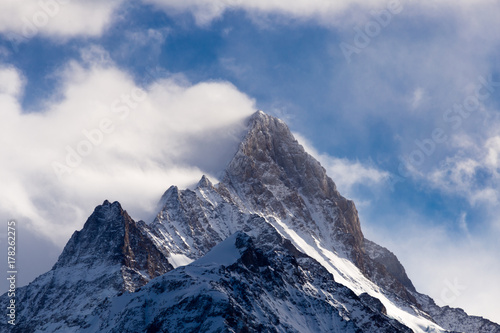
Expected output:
{"points": [[178, 260], [225, 253]]}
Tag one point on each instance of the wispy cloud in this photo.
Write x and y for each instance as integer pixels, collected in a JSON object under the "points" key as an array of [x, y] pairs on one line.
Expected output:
{"points": [[103, 128], [459, 271], [417, 97], [345, 173], [328, 13]]}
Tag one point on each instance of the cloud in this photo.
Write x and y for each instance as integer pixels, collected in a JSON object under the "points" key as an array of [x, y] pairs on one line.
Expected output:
{"points": [[466, 177], [149, 36], [471, 168], [408, 67], [11, 82], [106, 137], [462, 223], [95, 55], [72, 18], [22, 20], [204, 11], [418, 96], [325, 12], [345, 173]]}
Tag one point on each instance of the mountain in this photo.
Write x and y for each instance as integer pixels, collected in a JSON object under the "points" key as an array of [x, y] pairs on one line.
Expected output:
{"points": [[246, 285], [111, 255], [272, 247]]}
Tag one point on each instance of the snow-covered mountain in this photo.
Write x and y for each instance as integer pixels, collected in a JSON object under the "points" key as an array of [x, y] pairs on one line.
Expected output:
{"points": [[111, 255], [273, 247]]}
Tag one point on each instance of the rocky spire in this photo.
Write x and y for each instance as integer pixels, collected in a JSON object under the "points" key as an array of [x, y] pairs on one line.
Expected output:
{"points": [[204, 182], [270, 143], [280, 177], [111, 237], [273, 173]]}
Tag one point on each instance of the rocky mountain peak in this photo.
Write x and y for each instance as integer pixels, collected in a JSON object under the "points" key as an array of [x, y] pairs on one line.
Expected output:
{"points": [[204, 183], [111, 237], [273, 173], [270, 144], [101, 235]]}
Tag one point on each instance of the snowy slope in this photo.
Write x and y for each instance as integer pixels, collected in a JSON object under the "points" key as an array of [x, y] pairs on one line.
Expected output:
{"points": [[242, 287], [212, 220]]}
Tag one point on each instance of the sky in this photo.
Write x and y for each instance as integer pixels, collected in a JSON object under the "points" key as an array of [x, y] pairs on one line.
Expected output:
{"points": [[399, 101]]}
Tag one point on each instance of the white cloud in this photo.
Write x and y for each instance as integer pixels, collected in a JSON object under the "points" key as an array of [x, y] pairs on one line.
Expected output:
{"points": [[402, 71], [462, 223], [146, 37], [469, 172], [493, 152], [325, 12], [418, 96], [11, 82], [103, 129], [205, 11], [346, 173], [472, 171], [21, 20], [94, 54]]}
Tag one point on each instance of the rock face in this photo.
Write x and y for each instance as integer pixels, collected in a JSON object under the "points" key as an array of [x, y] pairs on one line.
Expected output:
{"points": [[273, 247], [111, 254], [455, 319], [109, 238], [272, 172]]}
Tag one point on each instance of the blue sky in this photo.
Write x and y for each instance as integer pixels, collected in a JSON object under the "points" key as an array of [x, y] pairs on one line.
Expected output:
{"points": [[406, 121]]}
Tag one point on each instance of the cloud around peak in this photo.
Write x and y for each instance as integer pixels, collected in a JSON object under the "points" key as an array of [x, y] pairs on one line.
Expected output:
{"points": [[104, 128], [347, 174]]}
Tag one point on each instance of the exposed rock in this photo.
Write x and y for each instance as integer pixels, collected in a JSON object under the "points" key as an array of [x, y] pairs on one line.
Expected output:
{"points": [[110, 255]]}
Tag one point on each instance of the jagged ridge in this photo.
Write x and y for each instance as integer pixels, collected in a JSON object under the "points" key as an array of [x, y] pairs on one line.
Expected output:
{"points": [[111, 254], [246, 285]]}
